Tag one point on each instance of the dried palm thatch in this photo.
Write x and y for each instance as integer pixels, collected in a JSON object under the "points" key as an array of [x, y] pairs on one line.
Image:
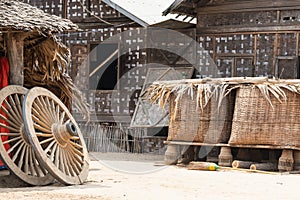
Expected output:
{"points": [[159, 92], [46, 61], [274, 104]]}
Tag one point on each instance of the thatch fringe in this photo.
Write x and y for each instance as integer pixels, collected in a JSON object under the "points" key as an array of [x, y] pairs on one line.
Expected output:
{"points": [[160, 92], [45, 65]]}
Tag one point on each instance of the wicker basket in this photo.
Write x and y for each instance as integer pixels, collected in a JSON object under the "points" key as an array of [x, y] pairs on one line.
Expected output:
{"points": [[255, 122], [212, 125]]}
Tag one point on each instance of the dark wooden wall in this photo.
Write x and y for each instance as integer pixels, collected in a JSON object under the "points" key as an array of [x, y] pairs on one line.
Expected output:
{"points": [[119, 104], [250, 38]]}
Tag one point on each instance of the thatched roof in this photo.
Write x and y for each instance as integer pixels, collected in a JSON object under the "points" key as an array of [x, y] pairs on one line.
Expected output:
{"points": [[184, 7], [46, 59], [203, 89], [15, 15]]}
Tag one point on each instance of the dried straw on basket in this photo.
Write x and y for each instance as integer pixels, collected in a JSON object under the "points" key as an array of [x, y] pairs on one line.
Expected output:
{"points": [[159, 92], [199, 93]]}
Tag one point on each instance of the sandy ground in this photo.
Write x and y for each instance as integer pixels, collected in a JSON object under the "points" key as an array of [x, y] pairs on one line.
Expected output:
{"points": [[123, 176]]}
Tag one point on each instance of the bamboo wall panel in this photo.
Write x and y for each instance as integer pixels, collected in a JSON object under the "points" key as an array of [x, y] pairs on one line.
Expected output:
{"points": [[287, 44], [265, 54], [102, 10], [54, 7], [229, 19], [79, 65], [76, 10]]}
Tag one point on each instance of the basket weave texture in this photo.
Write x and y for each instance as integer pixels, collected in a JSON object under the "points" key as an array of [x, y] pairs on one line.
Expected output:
{"points": [[190, 123], [255, 122]]}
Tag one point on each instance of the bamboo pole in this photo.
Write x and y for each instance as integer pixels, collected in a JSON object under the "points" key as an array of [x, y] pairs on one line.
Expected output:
{"points": [[264, 166], [241, 164]]}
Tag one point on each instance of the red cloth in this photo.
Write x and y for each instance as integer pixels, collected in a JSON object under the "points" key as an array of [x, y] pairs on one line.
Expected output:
{"points": [[4, 76]]}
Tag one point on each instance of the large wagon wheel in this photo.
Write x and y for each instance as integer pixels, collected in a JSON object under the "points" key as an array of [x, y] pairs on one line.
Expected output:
{"points": [[15, 148], [55, 136]]}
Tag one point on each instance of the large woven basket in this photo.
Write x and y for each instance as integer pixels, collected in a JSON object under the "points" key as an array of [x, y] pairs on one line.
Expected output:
{"points": [[255, 122], [210, 125]]}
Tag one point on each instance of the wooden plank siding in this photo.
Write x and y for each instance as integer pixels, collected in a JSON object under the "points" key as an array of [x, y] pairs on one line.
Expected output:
{"points": [[265, 32]]}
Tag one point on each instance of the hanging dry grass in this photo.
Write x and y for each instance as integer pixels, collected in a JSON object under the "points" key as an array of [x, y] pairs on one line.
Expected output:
{"points": [[203, 89], [46, 62]]}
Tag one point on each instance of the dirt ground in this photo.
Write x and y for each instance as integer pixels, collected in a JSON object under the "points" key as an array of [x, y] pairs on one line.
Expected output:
{"points": [[124, 176]]}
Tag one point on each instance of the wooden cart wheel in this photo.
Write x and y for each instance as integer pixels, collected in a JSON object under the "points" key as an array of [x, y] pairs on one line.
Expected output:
{"points": [[15, 148], [55, 136]]}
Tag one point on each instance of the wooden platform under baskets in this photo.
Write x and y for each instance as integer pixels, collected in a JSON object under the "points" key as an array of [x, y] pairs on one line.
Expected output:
{"points": [[257, 121], [190, 123]]}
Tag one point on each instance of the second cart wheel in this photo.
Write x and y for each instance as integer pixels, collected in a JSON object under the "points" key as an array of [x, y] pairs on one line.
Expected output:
{"points": [[55, 136], [15, 149]]}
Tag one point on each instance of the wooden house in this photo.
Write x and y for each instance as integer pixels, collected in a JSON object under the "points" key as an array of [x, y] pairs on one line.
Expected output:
{"points": [[111, 75], [246, 38], [99, 20]]}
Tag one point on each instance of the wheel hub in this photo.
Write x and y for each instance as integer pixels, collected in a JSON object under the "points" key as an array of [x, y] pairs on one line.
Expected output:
{"points": [[63, 133]]}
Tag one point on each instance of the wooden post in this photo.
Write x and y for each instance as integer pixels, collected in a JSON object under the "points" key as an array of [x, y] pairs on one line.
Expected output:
{"points": [[15, 52], [225, 157], [286, 161], [172, 155]]}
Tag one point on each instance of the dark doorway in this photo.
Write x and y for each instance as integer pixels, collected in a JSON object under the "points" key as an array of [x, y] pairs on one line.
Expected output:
{"points": [[103, 66]]}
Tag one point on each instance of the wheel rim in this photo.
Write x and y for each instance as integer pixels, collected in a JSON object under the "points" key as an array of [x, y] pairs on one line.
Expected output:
{"points": [[55, 136], [19, 157]]}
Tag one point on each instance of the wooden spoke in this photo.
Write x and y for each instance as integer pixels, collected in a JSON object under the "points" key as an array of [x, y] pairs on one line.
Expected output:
{"points": [[9, 127], [36, 107], [62, 117], [20, 163], [76, 151], [73, 164], [12, 140], [18, 108], [56, 160], [10, 134], [46, 107], [10, 112], [47, 140], [44, 134], [14, 146], [49, 107], [61, 162], [49, 146], [70, 164], [41, 123], [37, 168], [19, 158], [11, 123], [53, 152], [18, 152], [38, 127], [75, 138], [76, 145], [55, 136], [40, 117]]}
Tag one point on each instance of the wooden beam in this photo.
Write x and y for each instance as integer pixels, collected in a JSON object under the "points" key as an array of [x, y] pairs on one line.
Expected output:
{"points": [[248, 6], [248, 29], [255, 54], [104, 62], [275, 53], [15, 52]]}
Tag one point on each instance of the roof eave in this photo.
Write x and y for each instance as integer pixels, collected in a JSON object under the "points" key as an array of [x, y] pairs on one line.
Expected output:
{"points": [[126, 13]]}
